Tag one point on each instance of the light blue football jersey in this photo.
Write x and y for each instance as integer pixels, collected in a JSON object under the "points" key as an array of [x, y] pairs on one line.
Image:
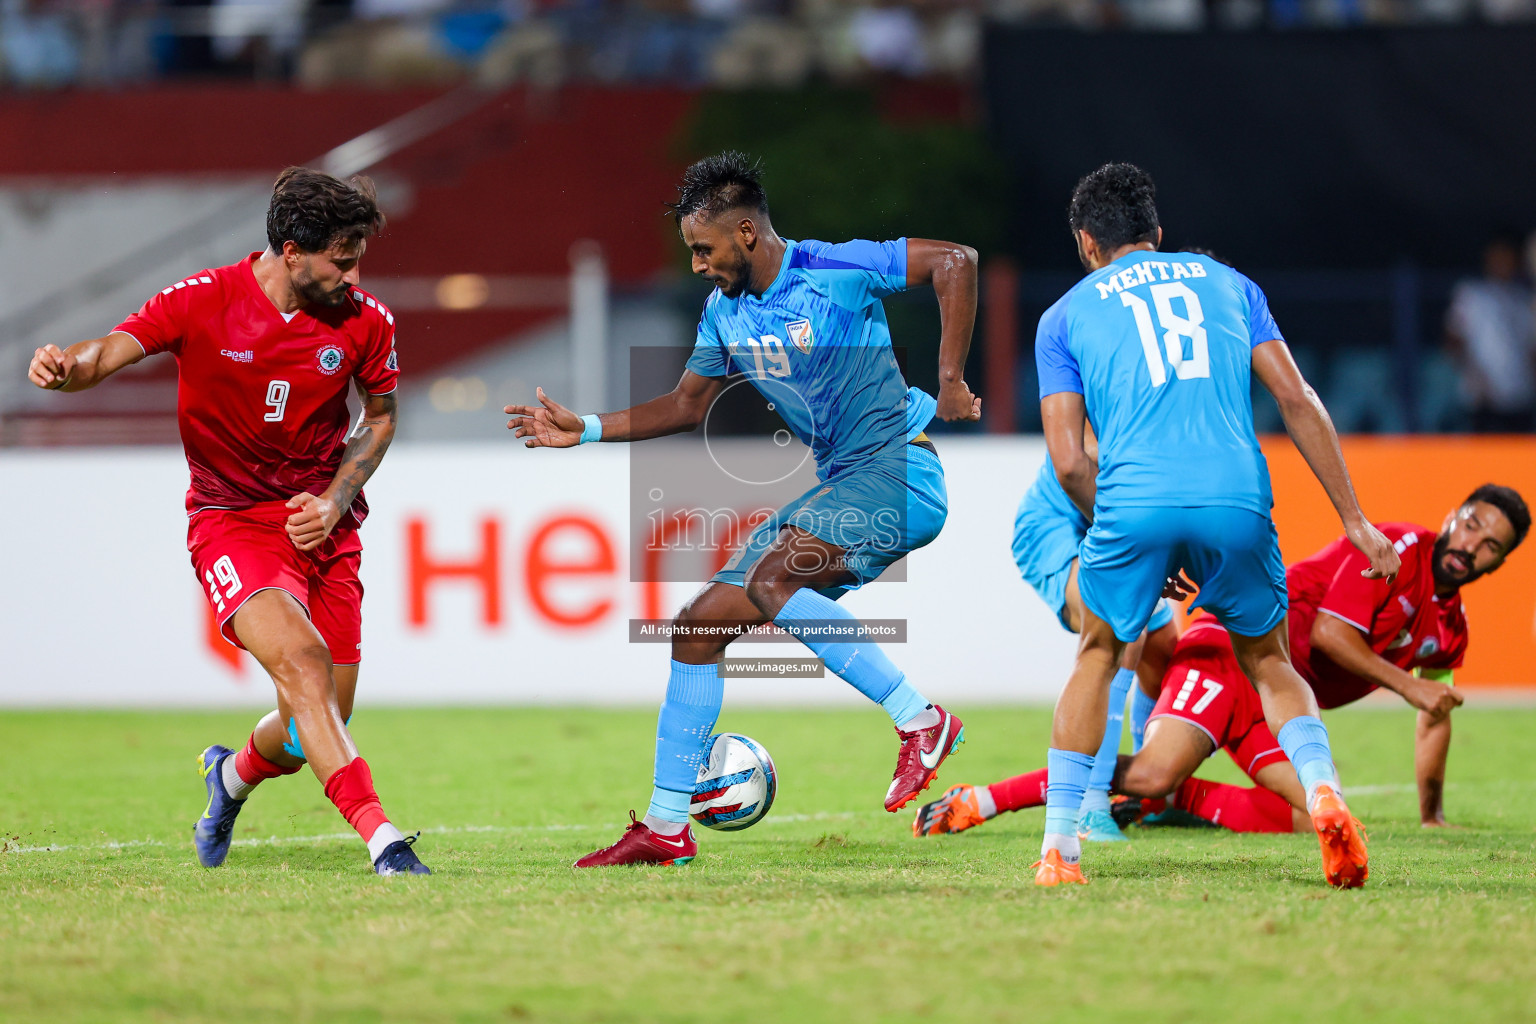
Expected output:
{"points": [[1160, 346], [817, 346]]}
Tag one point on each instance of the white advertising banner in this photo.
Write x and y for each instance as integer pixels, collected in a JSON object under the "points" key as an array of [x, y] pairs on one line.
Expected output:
{"points": [[494, 575]]}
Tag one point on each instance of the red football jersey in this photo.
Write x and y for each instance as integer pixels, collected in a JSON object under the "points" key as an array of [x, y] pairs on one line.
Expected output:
{"points": [[1402, 619], [261, 398]]}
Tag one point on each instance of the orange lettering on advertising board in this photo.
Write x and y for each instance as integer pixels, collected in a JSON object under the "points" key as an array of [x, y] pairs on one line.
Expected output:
{"points": [[484, 569], [543, 568]]}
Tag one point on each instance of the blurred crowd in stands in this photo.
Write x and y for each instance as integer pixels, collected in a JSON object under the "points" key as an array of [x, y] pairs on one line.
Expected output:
{"points": [[54, 43], [1490, 331]]}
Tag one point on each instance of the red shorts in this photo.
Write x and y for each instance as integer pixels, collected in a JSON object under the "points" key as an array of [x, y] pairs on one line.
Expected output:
{"points": [[238, 553], [1205, 687]]}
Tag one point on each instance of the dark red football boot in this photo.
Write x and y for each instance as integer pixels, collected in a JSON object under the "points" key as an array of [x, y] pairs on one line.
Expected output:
{"points": [[639, 845], [921, 753]]}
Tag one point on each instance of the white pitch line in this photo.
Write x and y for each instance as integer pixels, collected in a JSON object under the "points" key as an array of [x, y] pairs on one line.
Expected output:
{"points": [[444, 830], [437, 830]]}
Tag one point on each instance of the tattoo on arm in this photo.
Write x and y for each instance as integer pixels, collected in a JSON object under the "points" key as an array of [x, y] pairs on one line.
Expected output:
{"points": [[365, 448]]}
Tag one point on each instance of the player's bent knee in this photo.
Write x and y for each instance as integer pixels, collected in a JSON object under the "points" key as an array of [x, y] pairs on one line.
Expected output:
{"points": [[1149, 779], [693, 643], [768, 596], [1097, 640], [769, 585], [303, 675]]}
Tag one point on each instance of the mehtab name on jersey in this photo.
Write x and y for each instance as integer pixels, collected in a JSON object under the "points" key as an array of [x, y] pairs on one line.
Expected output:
{"points": [[1145, 272]]}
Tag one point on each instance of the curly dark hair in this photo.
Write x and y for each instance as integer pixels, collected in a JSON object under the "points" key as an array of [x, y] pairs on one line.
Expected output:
{"points": [[1117, 205], [725, 181], [1508, 501], [315, 211]]}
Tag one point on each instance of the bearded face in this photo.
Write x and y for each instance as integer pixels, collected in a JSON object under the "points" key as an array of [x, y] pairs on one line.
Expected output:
{"points": [[324, 278], [719, 252], [1474, 542]]}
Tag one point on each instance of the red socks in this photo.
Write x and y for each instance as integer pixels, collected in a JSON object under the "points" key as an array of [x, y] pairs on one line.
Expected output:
{"points": [[351, 789], [253, 768], [1019, 792], [1254, 809]]}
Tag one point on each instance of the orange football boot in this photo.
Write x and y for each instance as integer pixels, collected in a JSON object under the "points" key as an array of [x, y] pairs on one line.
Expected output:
{"points": [[955, 811], [1342, 839], [1050, 869]]}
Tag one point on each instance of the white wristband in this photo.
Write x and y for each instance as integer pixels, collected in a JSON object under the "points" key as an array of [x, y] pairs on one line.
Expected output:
{"points": [[593, 431]]}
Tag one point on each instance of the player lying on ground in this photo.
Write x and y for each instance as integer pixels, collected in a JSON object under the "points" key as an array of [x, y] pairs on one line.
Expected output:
{"points": [[881, 492], [1406, 634], [1179, 483], [1047, 533], [1185, 727], [265, 350]]}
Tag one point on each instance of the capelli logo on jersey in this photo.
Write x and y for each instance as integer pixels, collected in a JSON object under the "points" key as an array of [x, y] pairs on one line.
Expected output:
{"points": [[248, 356], [330, 359]]}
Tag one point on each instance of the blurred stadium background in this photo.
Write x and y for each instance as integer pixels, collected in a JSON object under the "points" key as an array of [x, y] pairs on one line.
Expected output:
{"points": [[1368, 162]]}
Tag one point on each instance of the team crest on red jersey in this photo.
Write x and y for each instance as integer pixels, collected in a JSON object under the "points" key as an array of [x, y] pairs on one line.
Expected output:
{"points": [[330, 359]]}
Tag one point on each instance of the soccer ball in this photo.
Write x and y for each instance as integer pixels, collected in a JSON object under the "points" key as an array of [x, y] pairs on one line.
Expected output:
{"points": [[736, 784]]}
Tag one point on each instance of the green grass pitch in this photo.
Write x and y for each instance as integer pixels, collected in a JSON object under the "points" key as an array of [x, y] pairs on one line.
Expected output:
{"points": [[827, 911]]}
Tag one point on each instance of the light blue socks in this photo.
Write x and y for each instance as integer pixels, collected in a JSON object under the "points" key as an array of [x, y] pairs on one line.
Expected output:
{"points": [[1305, 741], [1141, 710], [688, 715], [857, 661], [1067, 771], [1096, 798]]}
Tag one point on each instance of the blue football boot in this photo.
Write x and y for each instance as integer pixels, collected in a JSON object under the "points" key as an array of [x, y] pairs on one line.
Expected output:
{"points": [[214, 830], [399, 859], [1099, 827]]}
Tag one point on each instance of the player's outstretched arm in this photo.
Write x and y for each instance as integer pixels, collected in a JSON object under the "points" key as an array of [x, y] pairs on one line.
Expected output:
{"points": [[1065, 419], [1347, 647], [1312, 431], [951, 268], [1431, 746], [84, 364], [317, 515], [551, 425]]}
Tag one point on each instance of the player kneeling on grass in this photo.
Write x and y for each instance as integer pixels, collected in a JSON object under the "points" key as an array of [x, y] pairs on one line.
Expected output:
{"points": [[881, 493], [1348, 636], [265, 351]]}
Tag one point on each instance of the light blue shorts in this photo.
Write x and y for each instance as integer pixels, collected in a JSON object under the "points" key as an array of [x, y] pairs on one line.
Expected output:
{"points": [[876, 511], [1044, 544], [1231, 553]]}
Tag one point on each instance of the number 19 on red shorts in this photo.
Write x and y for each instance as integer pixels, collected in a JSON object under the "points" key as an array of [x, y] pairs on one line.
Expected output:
{"points": [[237, 553]]}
